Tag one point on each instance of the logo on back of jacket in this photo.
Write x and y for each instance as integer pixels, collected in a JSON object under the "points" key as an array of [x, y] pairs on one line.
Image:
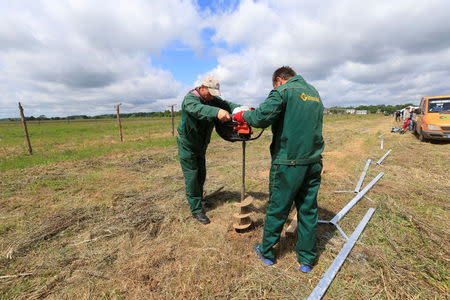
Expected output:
{"points": [[308, 97]]}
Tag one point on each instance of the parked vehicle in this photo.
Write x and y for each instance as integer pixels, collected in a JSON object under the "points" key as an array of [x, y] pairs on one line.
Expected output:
{"points": [[433, 118]]}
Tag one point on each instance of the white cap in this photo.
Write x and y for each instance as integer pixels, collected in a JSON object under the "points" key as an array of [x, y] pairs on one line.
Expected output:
{"points": [[213, 85], [239, 109]]}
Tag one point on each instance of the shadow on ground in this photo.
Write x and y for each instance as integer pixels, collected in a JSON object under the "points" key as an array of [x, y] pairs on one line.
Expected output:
{"points": [[287, 243], [220, 197], [325, 233]]}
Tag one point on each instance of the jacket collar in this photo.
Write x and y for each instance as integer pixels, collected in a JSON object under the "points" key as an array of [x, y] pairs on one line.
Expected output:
{"points": [[295, 78]]}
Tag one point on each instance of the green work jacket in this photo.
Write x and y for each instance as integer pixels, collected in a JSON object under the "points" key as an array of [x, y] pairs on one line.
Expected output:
{"points": [[197, 120], [295, 112]]}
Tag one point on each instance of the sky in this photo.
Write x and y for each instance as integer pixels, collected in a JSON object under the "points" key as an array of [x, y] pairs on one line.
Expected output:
{"points": [[81, 57]]}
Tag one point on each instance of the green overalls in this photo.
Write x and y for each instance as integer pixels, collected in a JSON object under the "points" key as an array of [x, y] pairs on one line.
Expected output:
{"points": [[194, 134], [295, 112]]}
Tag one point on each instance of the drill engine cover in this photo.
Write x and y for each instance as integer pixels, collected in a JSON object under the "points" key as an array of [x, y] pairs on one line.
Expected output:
{"points": [[233, 131]]}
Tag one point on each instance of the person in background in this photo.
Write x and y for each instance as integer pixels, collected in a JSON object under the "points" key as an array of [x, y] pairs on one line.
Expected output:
{"points": [[200, 107], [412, 118], [397, 116], [295, 111], [407, 119]]}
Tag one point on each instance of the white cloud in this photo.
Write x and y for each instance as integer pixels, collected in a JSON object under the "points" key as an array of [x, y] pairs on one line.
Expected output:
{"points": [[81, 56], [59, 57], [354, 52]]}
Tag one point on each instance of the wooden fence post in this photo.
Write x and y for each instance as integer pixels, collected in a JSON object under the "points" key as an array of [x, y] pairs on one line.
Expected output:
{"points": [[118, 120], [24, 123], [171, 114]]}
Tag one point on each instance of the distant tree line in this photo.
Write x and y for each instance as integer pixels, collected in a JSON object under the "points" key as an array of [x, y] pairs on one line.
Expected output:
{"points": [[385, 109], [157, 114]]}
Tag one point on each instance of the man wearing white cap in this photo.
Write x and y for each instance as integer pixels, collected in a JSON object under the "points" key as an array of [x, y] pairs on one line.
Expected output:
{"points": [[200, 107]]}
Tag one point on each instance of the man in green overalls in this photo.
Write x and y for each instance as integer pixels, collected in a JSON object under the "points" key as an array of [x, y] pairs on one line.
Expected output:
{"points": [[295, 111], [200, 107]]}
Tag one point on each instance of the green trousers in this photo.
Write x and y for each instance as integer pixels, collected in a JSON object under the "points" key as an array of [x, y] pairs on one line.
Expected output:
{"points": [[193, 166], [287, 185]]}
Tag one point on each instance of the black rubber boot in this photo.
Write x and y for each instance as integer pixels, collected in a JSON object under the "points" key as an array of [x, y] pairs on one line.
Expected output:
{"points": [[202, 218]]}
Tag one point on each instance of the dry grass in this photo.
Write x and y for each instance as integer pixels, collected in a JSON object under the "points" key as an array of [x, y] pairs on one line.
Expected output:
{"points": [[118, 226]]}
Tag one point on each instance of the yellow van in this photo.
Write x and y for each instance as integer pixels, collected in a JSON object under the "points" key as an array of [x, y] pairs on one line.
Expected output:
{"points": [[433, 118]]}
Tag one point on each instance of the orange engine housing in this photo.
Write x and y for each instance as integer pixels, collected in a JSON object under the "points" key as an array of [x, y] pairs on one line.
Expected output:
{"points": [[243, 128]]}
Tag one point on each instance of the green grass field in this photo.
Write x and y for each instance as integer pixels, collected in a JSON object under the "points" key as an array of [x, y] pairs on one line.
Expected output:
{"points": [[87, 216], [54, 141]]}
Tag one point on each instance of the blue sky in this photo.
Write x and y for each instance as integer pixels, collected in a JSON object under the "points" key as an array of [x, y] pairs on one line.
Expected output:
{"points": [[218, 5], [184, 63], [64, 58]]}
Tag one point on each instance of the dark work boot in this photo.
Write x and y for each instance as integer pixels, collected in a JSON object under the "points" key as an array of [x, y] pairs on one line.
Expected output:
{"points": [[202, 218]]}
